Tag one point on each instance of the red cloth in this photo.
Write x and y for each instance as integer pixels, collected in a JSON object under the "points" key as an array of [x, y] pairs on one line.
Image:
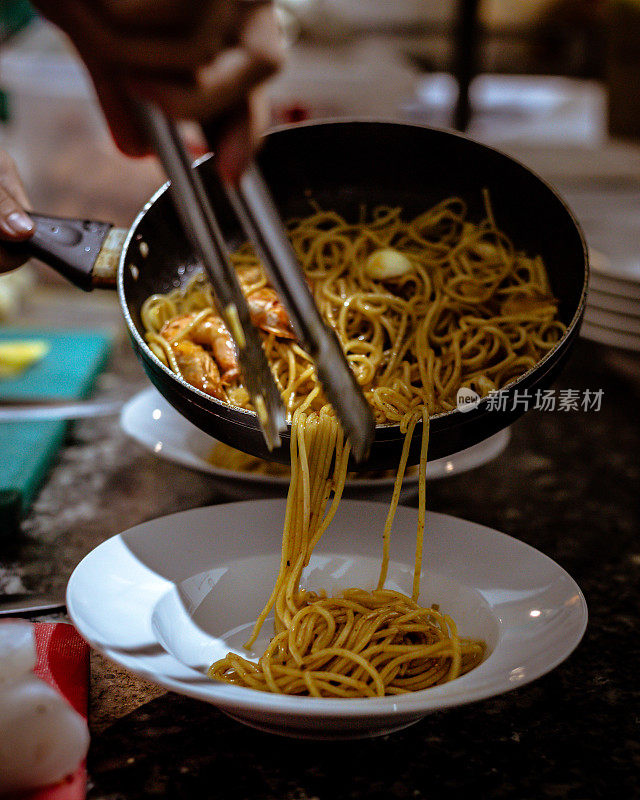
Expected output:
{"points": [[63, 662]]}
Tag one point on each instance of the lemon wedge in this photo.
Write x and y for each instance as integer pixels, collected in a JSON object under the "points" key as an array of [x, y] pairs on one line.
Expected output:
{"points": [[16, 356]]}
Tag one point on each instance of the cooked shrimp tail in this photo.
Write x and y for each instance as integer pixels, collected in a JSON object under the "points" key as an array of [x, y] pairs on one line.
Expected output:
{"points": [[198, 368], [268, 313], [208, 330]]}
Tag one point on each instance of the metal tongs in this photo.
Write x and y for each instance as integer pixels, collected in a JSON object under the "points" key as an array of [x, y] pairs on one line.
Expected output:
{"points": [[257, 214]]}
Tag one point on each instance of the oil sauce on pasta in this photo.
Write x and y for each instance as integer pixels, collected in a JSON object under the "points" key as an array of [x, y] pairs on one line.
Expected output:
{"points": [[422, 307]]}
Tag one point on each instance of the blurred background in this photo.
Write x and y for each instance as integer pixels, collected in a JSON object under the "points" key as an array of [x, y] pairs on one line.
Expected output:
{"points": [[554, 82]]}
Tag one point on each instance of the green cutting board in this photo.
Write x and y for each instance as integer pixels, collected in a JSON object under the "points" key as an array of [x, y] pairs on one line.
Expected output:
{"points": [[69, 369]]}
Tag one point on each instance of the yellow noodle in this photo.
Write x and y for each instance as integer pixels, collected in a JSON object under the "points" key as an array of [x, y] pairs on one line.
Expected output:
{"points": [[443, 325], [469, 311]]}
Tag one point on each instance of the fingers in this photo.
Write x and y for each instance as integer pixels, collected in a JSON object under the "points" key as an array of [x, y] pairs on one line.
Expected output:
{"points": [[10, 179], [223, 82], [227, 89], [240, 138], [218, 87], [118, 112], [261, 36], [14, 222], [147, 47], [199, 60], [145, 14]]}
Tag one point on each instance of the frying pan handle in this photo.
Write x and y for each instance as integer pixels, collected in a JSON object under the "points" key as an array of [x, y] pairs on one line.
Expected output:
{"points": [[85, 252]]}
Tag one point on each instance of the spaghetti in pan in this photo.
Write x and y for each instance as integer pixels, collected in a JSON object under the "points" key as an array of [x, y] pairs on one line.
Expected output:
{"points": [[422, 307]]}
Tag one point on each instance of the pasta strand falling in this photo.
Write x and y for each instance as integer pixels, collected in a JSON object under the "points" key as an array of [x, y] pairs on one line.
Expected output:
{"points": [[422, 307]]}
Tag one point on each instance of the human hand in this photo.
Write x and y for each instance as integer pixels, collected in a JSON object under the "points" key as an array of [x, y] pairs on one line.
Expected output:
{"points": [[15, 225], [201, 60]]}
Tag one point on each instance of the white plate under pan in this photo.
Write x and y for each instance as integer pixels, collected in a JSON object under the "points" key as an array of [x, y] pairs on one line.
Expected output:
{"points": [[596, 333], [627, 307], [612, 320], [158, 427]]}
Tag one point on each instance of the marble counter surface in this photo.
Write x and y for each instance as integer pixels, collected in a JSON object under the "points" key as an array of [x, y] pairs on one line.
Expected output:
{"points": [[567, 484]]}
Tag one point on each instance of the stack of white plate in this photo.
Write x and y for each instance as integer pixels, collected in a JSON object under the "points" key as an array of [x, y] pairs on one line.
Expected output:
{"points": [[608, 208], [613, 303]]}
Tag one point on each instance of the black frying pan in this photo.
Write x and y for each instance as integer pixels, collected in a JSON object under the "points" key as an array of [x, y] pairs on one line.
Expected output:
{"points": [[343, 165]]}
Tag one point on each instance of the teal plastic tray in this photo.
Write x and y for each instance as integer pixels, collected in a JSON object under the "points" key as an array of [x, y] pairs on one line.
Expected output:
{"points": [[27, 449]]}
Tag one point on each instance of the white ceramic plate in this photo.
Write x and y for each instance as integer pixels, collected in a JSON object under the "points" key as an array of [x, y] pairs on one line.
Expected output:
{"points": [[603, 278], [595, 333], [154, 424], [612, 226], [613, 303], [612, 320], [626, 289], [168, 597]]}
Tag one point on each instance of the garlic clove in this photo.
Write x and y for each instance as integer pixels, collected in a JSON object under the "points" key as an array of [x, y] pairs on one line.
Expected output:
{"points": [[387, 263]]}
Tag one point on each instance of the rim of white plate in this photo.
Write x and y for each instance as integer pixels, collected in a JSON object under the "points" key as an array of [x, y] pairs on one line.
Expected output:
{"points": [[478, 684]]}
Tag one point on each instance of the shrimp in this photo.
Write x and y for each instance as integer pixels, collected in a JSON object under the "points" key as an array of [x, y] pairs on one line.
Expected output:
{"points": [[268, 313], [251, 278], [204, 329], [198, 368], [212, 331], [209, 331]]}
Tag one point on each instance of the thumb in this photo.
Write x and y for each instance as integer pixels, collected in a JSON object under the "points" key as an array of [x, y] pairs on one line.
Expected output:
{"points": [[14, 221]]}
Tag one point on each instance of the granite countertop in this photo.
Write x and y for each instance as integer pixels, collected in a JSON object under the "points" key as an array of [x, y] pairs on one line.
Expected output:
{"points": [[567, 484]]}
